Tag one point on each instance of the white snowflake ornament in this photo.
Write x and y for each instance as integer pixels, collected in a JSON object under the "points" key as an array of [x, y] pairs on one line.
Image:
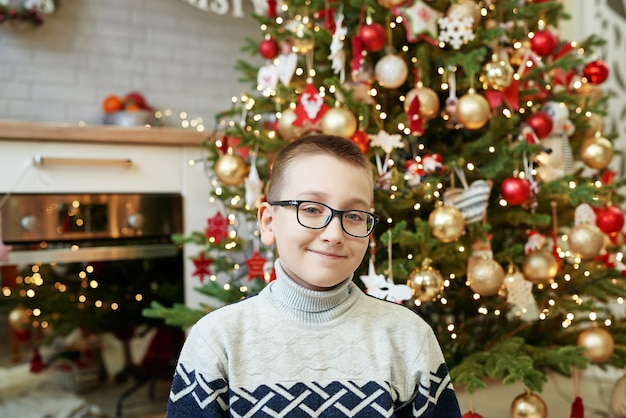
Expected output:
{"points": [[456, 29], [388, 142], [380, 287]]}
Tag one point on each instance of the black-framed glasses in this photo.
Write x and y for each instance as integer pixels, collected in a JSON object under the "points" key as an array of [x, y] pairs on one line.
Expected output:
{"points": [[316, 215]]}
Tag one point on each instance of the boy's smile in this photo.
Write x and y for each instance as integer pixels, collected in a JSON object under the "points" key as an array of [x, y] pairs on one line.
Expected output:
{"points": [[318, 259]]}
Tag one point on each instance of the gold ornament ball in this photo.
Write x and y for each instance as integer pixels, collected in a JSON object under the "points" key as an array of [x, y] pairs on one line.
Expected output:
{"points": [[303, 39], [429, 101], [529, 405], [391, 71], [473, 110], [231, 169], [596, 124], [466, 8], [339, 121], [426, 283], [486, 277], [286, 128], [446, 223], [18, 317], [589, 94], [497, 74], [391, 3], [540, 266], [598, 343], [596, 152], [585, 241]]}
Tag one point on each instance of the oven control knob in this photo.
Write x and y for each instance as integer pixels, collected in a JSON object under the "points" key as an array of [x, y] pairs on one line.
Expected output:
{"points": [[136, 220], [29, 223]]}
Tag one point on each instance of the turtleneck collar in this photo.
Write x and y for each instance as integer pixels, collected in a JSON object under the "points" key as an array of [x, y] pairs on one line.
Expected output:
{"points": [[310, 306]]}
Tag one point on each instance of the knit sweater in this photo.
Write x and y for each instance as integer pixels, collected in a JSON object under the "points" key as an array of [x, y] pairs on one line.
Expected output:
{"points": [[294, 352]]}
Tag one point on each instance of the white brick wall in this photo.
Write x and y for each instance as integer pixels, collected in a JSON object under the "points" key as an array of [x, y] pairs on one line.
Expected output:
{"points": [[178, 56]]}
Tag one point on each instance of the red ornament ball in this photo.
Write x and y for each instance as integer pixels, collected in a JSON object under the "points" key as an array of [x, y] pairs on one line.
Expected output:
{"points": [[373, 37], [541, 123], [515, 190], [268, 48], [543, 43], [596, 72], [361, 139], [471, 414], [610, 219]]}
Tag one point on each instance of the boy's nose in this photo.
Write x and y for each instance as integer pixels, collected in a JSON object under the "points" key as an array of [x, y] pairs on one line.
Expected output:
{"points": [[333, 231]]}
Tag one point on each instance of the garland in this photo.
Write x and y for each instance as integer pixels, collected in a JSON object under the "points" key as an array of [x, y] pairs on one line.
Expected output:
{"points": [[26, 11]]}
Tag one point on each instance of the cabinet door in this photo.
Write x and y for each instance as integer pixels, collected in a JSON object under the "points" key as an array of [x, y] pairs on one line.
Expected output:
{"points": [[60, 167]]}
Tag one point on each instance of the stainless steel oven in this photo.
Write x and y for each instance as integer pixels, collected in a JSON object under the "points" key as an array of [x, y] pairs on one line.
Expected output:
{"points": [[112, 254], [44, 228]]}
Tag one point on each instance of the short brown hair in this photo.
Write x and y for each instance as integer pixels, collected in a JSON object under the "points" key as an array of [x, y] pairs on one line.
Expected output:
{"points": [[332, 145]]}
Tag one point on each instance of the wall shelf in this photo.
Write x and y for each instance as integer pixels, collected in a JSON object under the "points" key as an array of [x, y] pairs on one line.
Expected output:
{"points": [[67, 132]]}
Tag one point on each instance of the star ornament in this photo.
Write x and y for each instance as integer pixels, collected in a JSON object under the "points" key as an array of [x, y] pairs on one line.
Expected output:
{"points": [[201, 264], [218, 227], [386, 141], [256, 266], [418, 19]]}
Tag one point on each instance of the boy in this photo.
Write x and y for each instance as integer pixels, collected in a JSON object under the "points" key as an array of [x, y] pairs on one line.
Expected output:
{"points": [[311, 343]]}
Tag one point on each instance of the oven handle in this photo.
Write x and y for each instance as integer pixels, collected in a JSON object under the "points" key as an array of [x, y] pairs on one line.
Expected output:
{"points": [[86, 254], [39, 160]]}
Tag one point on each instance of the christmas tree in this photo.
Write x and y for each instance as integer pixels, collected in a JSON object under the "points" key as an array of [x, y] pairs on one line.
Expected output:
{"points": [[500, 219]]}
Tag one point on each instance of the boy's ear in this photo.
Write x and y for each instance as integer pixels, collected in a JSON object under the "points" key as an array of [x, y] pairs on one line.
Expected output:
{"points": [[265, 215]]}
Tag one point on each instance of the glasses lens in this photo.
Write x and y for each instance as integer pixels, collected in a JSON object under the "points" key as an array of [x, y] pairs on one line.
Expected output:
{"points": [[316, 215], [313, 215], [357, 223]]}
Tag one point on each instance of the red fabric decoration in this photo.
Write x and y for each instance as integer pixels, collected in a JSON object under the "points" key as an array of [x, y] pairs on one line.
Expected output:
{"points": [[255, 266], [358, 53], [218, 227], [578, 409], [202, 266], [509, 95], [36, 363], [271, 8], [415, 121], [310, 107]]}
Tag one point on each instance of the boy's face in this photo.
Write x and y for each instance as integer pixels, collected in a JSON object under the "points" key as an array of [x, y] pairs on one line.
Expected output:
{"points": [[318, 259]]}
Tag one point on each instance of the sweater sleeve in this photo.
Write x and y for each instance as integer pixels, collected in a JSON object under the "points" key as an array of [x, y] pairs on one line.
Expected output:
{"points": [[199, 386], [435, 396]]}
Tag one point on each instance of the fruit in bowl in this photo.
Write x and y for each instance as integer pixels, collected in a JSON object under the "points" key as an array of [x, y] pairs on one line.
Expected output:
{"points": [[131, 109]]}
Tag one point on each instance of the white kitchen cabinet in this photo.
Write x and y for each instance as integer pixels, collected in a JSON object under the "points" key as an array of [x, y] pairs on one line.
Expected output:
{"points": [[61, 167]]}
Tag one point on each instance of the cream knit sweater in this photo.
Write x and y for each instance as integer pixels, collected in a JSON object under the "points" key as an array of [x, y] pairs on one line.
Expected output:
{"points": [[294, 352]]}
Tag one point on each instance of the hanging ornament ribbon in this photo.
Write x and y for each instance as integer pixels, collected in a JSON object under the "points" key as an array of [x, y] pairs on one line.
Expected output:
{"points": [[452, 100], [578, 409], [534, 186], [358, 47], [555, 228]]}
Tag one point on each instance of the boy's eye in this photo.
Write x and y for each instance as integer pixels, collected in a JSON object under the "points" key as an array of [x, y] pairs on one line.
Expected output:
{"points": [[354, 216], [312, 209]]}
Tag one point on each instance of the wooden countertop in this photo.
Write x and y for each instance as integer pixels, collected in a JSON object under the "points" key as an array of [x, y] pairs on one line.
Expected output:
{"points": [[67, 132]]}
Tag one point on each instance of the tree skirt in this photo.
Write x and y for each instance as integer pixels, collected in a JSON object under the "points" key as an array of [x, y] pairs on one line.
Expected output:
{"points": [[27, 395]]}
